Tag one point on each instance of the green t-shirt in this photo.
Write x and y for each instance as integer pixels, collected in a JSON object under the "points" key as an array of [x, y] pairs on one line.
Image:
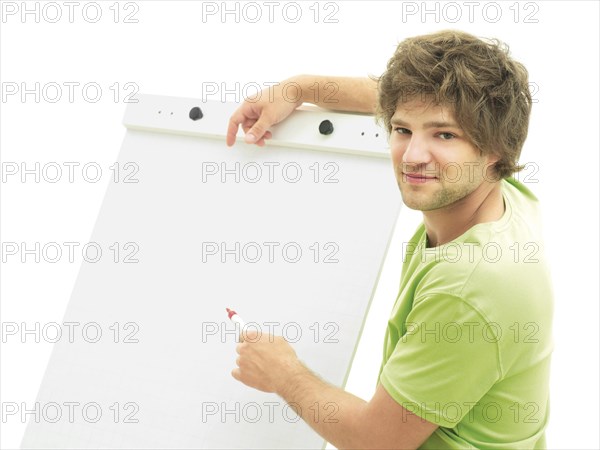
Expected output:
{"points": [[469, 340]]}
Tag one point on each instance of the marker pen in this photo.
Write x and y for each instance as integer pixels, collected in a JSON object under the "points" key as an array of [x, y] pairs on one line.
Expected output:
{"points": [[235, 318]]}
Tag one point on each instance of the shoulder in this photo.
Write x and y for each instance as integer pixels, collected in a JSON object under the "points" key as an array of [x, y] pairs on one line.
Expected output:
{"points": [[500, 267]]}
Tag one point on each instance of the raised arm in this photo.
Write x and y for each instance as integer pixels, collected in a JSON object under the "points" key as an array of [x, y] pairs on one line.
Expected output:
{"points": [[278, 102], [356, 94]]}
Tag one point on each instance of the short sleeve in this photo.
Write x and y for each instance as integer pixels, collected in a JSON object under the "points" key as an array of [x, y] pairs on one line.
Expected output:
{"points": [[445, 362]]}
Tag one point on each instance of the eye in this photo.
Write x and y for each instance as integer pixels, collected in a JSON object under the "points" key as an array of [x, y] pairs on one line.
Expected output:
{"points": [[401, 130], [446, 136]]}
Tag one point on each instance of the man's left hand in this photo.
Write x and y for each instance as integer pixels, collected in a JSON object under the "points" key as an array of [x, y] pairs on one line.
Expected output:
{"points": [[265, 362]]}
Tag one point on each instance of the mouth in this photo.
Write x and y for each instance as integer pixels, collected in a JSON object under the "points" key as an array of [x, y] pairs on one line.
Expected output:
{"points": [[417, 178]]}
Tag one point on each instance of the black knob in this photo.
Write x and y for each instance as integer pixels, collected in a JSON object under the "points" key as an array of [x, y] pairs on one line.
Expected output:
{"points": [[196, 113], [326, 127]]}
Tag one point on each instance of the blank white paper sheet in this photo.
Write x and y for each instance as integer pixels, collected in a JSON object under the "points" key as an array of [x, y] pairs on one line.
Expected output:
{"points": [[292, 236]]}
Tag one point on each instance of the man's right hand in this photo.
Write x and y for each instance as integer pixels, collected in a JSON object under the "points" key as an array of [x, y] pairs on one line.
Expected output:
{"points": [[273, 105], [256, 117]]}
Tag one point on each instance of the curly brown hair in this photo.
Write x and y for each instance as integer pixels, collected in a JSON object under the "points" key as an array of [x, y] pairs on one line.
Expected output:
{"points": [[487, 90]]}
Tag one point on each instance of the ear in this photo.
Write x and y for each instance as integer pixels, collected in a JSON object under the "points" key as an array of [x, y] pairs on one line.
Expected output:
{"points": [[492, 158]]}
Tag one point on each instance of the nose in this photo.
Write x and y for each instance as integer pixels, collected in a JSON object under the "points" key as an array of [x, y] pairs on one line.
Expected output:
{"points": [[417, 152]]}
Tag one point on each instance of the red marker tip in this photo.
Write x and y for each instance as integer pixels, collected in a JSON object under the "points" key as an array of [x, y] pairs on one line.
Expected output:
{"points": [[230, 312]]}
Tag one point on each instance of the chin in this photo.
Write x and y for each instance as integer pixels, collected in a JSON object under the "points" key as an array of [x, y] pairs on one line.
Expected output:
{"points": [[419, 207], [411, 204], [423, 205]]}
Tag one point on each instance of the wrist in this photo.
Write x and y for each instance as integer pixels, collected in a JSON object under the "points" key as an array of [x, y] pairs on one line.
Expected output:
{"points": [[304, 82], [293, 373]]}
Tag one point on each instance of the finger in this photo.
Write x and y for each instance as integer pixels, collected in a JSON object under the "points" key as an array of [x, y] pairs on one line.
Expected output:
{"points": [[251, 335], [258, 130], [247, 125], [232, 130], [238, 348], [263, 140], [237, 361], [235, 120], [237, 374]]}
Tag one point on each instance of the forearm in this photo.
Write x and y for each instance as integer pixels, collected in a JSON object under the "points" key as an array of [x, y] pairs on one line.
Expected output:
{"points": [[335, 414], [339, 93], [346, 421]]}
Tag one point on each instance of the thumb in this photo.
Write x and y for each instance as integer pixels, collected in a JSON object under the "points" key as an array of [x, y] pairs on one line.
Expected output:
{"points": [[258, 130]]}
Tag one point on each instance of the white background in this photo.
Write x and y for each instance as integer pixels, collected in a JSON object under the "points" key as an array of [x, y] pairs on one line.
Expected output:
{"points": [[174, 50]]}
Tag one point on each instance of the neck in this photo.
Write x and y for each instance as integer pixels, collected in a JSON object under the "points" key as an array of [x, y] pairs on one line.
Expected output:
{"points": [[484, 204]]}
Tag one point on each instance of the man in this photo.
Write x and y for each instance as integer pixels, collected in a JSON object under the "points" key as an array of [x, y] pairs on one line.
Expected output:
{"points": [[467, 350]]}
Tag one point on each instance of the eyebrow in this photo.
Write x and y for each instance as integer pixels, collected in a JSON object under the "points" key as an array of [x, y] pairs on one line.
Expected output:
{"points": [[434, 124]]}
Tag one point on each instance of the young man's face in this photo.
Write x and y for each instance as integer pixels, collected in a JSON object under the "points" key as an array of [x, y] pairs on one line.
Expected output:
{"points": [[434, 162]]}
